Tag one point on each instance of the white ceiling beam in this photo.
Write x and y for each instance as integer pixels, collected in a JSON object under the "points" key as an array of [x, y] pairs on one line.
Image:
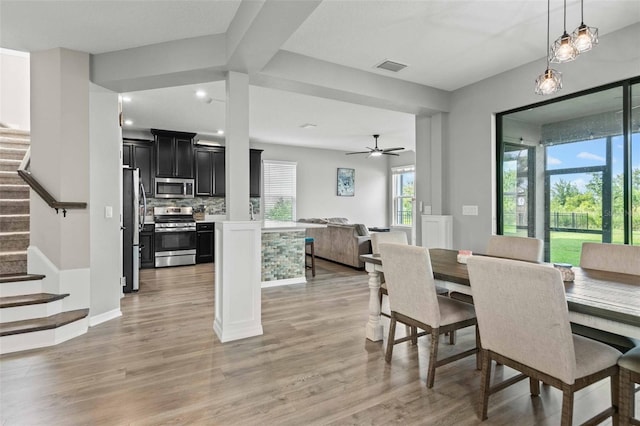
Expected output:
{"points": [[302, 74], [174, 63], [260, 28]]}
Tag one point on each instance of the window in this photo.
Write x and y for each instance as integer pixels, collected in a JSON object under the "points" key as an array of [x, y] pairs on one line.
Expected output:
{"points": [[403, 194], [279, 190], [569, 171]]}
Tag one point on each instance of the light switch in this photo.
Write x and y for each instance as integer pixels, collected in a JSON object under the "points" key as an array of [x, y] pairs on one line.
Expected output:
{"points": [[108, 212], [470, 210]]}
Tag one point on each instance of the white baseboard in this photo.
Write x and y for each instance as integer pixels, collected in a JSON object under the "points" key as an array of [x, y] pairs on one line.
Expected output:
{"points": [[286, 281], [99, 319]]}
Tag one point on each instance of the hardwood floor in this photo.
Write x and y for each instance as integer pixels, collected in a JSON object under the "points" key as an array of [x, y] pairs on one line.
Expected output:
{"points": [[160, 363]]}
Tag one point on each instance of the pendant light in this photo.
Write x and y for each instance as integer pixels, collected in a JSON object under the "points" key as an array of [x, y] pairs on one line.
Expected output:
{"points": [[563, 49], [550, 81], [584, 38]]}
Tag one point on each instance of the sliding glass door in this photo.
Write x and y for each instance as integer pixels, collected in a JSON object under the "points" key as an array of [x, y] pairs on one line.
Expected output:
{"points": [[569, 170]]}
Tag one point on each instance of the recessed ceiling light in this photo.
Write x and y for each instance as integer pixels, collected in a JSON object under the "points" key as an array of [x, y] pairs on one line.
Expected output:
{"points": [[309, 126], [128, 122], [201, 93], [126, 99], [220, 132]]}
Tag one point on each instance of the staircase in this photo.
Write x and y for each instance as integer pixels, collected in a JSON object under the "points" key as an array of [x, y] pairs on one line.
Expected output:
{"points": [[29, 317]]}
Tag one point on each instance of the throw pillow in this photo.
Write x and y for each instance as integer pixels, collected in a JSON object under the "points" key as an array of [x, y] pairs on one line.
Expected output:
{"points": [[340, 220], [362, 230]]}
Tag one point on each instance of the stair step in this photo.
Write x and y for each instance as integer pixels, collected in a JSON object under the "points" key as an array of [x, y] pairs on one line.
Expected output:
{"points": [[13, 262], [14, 223], [10, 178], [20, 284], [29, 299], [45, 323], [14, 241], [16, 133], [14, 192], [9, 142], [12, 153], [15, 206], [9, 165]]}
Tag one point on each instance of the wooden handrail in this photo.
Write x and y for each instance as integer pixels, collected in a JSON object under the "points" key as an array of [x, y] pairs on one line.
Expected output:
{"points": [[43, 193]]}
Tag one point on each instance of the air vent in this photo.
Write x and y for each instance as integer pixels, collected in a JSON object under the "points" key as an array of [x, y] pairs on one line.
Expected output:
{"points": [[391, 66]]}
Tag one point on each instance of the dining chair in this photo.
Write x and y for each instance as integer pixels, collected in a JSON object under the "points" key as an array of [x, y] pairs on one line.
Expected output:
{"points": [[620, 258], [509, 247], [629, 365], [394, 237], [524, 324], [413, 301]]}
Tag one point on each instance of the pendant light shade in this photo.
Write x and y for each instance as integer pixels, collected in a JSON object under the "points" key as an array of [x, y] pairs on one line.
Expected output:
{"points": [[584, 38], [550, 81], [564, 49]]}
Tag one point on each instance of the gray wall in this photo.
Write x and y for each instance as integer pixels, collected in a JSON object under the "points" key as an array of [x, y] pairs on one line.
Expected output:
{"points": [[316, 183], [469, 156], [14, 86], [105, 166]]}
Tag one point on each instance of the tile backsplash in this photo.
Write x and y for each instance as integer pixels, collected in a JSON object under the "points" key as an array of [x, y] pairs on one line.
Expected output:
{"points": [[212, 205]]}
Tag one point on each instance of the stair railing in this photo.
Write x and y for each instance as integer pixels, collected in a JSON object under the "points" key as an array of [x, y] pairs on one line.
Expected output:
{"points": [[33, 183]]}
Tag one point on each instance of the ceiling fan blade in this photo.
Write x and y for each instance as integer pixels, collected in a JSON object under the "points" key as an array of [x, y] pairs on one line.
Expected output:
{"points": [[390, 153], [358, 152], [392, 149]]}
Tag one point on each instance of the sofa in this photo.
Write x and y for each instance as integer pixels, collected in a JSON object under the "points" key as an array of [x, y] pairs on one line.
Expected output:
{"points": [[340, 241]]}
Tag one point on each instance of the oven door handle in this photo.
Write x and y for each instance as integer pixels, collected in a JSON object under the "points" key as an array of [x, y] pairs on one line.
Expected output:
{"points": [[163, 230]]}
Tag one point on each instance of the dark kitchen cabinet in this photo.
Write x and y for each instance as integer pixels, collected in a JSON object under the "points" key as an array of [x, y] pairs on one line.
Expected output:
{"points": [[255, 172], [204, 245], [147, 256], [138, 153], [174, 153], [210, 180]]}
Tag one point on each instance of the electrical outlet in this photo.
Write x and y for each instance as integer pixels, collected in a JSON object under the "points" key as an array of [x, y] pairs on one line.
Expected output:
{"points": [[123, 281], [108, 212], [470, 210]]}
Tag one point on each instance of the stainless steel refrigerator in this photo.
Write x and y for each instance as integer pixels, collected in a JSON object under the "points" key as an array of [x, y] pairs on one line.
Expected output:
{"points": [[133, 211]]}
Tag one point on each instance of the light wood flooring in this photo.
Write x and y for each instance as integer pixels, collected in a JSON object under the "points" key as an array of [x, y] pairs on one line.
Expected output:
{"points": [[160, 363]]}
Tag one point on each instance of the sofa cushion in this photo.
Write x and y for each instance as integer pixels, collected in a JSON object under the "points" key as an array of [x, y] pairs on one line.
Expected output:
{"points": [[339, 220]]}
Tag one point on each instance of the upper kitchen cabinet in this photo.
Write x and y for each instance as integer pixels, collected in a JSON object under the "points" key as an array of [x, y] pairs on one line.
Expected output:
{"points": [[174, 153], [138, 153], [255, 172], [210, 179]]}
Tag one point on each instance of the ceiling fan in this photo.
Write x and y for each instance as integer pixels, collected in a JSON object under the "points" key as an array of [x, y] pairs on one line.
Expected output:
{"points": [[376, 152]]}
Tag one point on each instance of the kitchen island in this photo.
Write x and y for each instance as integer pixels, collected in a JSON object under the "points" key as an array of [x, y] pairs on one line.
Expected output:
{"points": [[283, 252]]}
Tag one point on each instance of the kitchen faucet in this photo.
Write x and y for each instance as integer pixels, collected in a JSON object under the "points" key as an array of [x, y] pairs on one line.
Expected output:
{"points": [[251, 210]]}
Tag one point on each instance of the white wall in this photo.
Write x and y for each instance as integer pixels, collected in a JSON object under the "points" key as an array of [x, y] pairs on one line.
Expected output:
{"points": [[104, 187], [469, 156], [14, 89], [316, 185]]}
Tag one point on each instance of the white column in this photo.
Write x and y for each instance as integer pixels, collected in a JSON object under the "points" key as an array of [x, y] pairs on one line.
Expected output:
{"points": [[59, 245], [238, 298]]}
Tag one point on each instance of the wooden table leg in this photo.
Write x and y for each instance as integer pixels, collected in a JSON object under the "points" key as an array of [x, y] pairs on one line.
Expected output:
{"points": [[374, 329]]}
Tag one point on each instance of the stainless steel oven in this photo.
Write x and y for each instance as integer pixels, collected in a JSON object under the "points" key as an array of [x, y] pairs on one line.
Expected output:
{"points": [[175, 236], [174, 188]]}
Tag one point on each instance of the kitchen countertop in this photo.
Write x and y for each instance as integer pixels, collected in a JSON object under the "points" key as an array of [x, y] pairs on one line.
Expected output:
{"points": [[279, 226]]}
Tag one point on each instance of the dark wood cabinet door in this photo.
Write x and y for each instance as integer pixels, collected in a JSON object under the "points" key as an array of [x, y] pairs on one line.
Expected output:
{"points": [[204, 246], [165, 155], [127, 157], [204, 172], [183, 157], [143, 160], [147, 256], [255, 172], [219, 181]]}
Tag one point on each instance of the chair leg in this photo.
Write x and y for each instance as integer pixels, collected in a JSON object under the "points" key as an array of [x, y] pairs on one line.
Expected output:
{"points": [[452, 337], [479, 353], [433, 357], [313, 259], [567, 406], [414, 335], [534, 386], [485, 383], [627, 397], [392, 337], [615, 399]]}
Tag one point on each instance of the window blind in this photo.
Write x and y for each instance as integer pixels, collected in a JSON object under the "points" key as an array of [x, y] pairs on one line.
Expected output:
{"points": [[279, 190]]}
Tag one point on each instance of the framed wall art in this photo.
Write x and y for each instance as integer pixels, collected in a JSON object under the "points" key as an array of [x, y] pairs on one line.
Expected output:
{"points": [[346, 182]]}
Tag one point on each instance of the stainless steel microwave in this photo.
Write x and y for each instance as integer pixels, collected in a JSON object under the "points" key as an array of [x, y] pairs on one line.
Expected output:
{"points": [[174, 188]]}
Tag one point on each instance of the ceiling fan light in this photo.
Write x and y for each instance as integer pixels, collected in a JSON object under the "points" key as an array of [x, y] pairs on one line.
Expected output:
{"points": [[585, 38], [549, 82], [563, 50], [376, 154]]}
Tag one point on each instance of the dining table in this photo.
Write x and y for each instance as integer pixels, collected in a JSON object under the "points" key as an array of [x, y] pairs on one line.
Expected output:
{"points": [[603, 300]]}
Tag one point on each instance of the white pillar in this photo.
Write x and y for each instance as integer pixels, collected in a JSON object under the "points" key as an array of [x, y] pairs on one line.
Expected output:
{"points": [[238, 297]]}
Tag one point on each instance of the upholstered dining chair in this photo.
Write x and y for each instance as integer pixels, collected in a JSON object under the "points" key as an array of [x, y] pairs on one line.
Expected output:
{"points": [[414, 302], [629, 365], [523, 320], [509, 247], [621, 258]]}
